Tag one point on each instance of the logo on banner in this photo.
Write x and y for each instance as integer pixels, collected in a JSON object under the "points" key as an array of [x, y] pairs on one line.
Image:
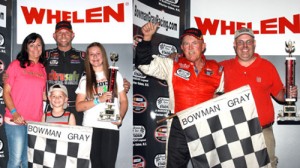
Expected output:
{"points": [[2, 67], [139, 103], [1, 94], [2, 16], [160, 133], [166, 49], [170, 4], [139, 78], [1, 40], [1, 120], [1, 149], [160, 160], [138, 162], [162, 104], [139, 132]]}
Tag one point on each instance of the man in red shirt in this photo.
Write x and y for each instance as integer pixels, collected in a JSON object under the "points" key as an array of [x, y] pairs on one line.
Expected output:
{"points": [[191, 78], [248, 68]]}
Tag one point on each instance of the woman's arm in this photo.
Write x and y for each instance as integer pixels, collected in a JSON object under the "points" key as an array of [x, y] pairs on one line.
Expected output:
{"points": [[17, 118]]}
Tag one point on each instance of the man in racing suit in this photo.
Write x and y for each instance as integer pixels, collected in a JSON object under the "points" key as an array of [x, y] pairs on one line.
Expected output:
{"points": [[65, 65], [191, 80]]}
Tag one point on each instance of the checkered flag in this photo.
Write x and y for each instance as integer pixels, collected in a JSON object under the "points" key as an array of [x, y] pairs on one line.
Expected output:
{"points": [[225, 132], [58, 146]]}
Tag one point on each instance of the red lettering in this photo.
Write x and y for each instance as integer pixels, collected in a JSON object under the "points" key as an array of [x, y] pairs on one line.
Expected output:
{"points": [[66, 15], [50, 16], [207, 25], [268, 24], [92, 14], [32, 15], [283, 23], [75, 18], [230, 27], [108, 11], [240, 25]]}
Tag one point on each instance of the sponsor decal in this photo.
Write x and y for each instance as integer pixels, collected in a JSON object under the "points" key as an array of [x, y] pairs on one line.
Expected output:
{"points": [[160, 133], [162, 103], [2, 40], [1, 91], [183, 74], [139, 133], [53, 62], [208, 72], [184, 66], [139, 78], [2, 67], [1, 149], [166, 49], [138, 74], [139, 103], [1, 119], [160, 161], [138, 162]]}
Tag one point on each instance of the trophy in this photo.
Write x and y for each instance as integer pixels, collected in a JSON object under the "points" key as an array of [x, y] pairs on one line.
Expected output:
{"points": [[289, 113], [110, 114]]}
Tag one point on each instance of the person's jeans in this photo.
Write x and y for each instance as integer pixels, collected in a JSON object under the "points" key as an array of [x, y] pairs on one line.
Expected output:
{"points": [[17, 140]]}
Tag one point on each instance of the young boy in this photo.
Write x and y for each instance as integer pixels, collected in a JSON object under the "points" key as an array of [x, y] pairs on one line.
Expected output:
{"points": [[58, 99]]}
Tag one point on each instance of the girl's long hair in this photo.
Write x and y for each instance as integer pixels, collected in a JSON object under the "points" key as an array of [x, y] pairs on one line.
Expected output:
{"points": [[91, 82], [23, 56]]}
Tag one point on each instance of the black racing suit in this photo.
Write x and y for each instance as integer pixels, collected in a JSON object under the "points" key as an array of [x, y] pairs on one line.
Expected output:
{"points": [[66, 68]]}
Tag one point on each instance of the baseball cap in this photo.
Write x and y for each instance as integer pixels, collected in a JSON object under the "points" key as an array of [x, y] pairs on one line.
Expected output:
{"points": [[192, 32], [63, 25], [59, 87], [243, 31]]}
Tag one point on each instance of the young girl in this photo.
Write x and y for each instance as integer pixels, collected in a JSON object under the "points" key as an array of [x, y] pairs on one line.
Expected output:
{"points": [[91, 97], [58, 99]]}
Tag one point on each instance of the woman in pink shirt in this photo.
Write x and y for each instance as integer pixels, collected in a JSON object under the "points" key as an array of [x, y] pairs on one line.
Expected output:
{"points": [[23, 95]]}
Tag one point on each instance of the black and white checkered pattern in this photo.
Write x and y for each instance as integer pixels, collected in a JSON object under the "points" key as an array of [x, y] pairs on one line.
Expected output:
{"points": [[231, 138], [46, 152]]}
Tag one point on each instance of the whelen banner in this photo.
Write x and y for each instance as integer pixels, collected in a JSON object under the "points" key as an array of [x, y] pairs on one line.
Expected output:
{"points": [[273, 23], [101, 21]]}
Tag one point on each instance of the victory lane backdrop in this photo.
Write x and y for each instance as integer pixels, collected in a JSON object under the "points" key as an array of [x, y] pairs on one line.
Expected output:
{"points": [[5, 59], [150, 95]]}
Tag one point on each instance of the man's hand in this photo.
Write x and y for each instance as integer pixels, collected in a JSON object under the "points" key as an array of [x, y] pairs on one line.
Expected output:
{"points": [[148, 30], [126, 85]]}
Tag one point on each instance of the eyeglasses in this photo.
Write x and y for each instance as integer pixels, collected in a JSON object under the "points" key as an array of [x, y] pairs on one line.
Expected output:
{"points": [[242, 43]]}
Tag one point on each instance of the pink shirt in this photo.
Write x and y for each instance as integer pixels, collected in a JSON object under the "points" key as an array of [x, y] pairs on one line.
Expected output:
{"points": [[27, 87]]}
